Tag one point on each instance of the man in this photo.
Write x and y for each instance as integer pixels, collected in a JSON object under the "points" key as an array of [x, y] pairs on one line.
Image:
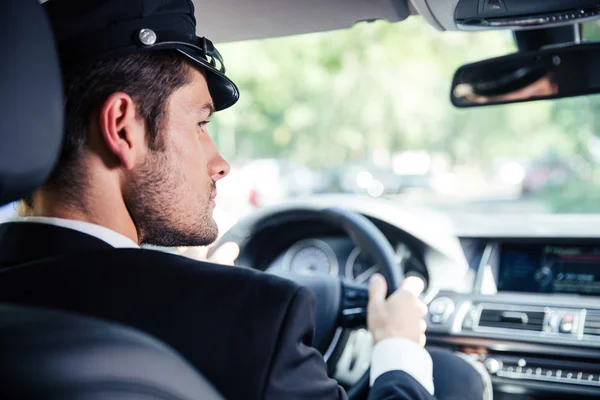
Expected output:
{"points": [[138, 166]]}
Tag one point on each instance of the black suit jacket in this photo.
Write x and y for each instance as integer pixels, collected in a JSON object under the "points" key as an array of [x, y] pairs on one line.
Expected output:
{"points": [[250, 333]]}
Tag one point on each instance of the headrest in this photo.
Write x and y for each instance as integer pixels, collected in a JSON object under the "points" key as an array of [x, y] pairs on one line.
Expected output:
{"points": [[31, 106]]}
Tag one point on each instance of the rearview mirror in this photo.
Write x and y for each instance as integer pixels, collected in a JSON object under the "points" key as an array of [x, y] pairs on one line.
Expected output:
{"points": [[550, 73]]}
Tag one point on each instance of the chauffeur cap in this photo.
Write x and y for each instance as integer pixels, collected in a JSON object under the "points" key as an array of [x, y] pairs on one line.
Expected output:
{"points": [[87, 30]]}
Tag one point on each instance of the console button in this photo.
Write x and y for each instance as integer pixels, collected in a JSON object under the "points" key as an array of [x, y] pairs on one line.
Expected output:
{"points": [[439, 305], [492, 365], [566, 324], [470, 318], [441, 309]]}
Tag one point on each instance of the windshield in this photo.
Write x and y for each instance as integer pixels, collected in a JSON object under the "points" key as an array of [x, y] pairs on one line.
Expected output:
{"points": [[366, 111]]}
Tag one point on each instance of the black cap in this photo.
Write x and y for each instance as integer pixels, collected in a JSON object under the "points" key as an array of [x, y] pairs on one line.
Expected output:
{"points": [[87, 30]]}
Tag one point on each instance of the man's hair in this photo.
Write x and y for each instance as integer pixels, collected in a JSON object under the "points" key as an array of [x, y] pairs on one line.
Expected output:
{"points": [[148, 78]]}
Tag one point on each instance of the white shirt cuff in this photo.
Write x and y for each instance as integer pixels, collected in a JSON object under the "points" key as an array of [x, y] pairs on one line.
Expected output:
{"points": [[401, 354]]}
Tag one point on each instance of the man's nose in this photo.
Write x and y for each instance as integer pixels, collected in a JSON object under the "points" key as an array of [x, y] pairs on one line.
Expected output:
{"points": [[219, 168]]}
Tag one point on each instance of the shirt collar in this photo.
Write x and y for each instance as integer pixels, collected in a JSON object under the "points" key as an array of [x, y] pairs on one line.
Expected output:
{"points": [[109, 236]]}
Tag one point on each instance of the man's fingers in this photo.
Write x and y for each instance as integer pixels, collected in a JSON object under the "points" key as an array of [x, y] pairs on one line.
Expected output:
{"points": [[413, 284], [377, 289], [423, 307], [226, 254]]}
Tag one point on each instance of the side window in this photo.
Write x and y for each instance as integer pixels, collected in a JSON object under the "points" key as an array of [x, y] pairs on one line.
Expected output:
{"points": [[7, 211]]}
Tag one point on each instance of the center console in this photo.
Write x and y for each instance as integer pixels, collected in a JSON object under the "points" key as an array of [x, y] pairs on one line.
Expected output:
{"points": [[534, 319]]}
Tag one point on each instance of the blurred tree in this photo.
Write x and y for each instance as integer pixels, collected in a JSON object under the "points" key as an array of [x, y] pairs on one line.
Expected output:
{"points": [[330, 98], [333, 98]]}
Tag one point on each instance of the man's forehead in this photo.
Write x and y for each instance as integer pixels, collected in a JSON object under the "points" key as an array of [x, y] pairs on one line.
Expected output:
{"points": [[196, 94]]}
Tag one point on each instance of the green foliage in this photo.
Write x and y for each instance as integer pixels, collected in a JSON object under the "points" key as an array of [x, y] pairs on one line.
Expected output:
{"points": [[333, 98], [325, 99], [575, 197]]}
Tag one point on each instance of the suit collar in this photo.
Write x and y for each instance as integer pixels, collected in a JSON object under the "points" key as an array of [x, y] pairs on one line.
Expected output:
{"points": [[21, 242], [111, 237]]}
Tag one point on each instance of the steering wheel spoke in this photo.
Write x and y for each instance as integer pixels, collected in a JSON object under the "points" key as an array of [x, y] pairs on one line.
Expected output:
{"points": [[353, 310]]}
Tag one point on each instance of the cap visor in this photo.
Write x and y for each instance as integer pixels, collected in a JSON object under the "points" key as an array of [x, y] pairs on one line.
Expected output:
{"points": [[222, 89]]}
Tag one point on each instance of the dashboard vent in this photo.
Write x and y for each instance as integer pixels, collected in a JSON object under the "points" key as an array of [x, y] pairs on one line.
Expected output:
{"points": [[512, 319], [592, 323]]}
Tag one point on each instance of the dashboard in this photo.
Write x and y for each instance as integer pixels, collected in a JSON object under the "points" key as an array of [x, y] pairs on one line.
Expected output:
{"points": [[519, 295], [339, 257], [532, 317]]}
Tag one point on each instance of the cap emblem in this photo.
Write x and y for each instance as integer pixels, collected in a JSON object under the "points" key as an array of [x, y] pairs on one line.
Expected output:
{"points": [[147, 37]]}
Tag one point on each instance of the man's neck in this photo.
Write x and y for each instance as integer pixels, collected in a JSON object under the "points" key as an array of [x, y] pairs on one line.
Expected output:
{"points": [[96, 209]]}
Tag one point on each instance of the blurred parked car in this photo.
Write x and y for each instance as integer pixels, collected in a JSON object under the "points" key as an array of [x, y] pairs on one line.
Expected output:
{"points": [[546, 173], [271, 181], [377, 181]]}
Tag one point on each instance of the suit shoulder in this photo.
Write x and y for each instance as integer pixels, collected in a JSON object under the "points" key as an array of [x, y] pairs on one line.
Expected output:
{"points": [[250, 279]]}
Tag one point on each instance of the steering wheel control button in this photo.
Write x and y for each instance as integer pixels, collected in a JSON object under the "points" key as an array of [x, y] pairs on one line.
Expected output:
{"points": [[441, 309], [354, 305]]}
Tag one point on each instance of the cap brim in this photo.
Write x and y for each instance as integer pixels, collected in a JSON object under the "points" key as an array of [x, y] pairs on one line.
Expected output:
{"points": [[118, 41], [223, 91]]}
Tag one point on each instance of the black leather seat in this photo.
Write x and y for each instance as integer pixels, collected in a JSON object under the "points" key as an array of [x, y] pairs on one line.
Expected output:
{"points": [[46, 354]]}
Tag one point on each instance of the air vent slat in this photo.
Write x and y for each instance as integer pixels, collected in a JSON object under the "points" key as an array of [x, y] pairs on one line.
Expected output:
{"points": [[592, 323], [509, 325], [530, 320], [512, 319], [591, 331]]}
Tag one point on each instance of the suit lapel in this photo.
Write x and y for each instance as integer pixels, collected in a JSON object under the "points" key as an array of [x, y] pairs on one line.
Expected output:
{"points": [[22, 242]]}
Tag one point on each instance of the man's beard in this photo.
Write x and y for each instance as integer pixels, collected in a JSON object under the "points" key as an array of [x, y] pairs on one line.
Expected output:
{"points": [[164, 210]]}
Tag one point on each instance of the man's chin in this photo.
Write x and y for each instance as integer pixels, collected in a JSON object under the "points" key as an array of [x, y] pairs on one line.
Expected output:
{"points": [[170, 238]]}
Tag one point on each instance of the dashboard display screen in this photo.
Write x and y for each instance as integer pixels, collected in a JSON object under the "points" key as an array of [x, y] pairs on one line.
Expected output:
{"points": [[549, 269]]}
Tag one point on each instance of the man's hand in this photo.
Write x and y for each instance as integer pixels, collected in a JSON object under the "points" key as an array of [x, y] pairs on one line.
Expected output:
{"points": [[399, 316], [226, 254]]}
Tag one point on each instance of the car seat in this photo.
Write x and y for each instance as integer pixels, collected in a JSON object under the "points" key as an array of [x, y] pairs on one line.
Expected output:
{"points": [[46, 353]]}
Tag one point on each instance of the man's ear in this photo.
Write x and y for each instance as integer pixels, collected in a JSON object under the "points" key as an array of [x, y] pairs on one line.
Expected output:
{"points": [[123, 132]]}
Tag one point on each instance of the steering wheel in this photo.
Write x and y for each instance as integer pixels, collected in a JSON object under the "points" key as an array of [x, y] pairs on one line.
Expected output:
{"points": [[342, 304]]}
